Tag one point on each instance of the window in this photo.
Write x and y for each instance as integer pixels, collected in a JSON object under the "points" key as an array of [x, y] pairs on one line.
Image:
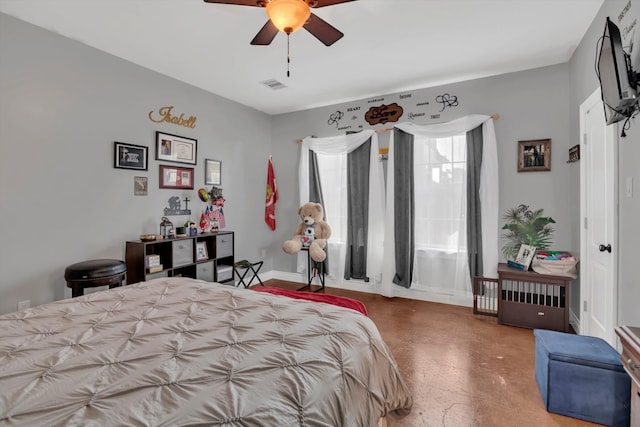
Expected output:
{"points": [[440, 177]]}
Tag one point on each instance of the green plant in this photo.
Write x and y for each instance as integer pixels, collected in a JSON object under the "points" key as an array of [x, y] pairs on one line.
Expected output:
{"points": [[525, 226]]}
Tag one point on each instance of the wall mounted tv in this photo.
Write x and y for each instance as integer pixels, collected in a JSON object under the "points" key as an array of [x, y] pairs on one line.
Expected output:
{"points": [[618, 81]]}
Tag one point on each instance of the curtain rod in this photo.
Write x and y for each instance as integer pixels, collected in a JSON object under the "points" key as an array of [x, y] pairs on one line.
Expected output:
{"points": [[494, 116]]}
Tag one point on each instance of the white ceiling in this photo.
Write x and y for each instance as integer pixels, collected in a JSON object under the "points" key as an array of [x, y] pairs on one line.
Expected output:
{"points": [[389, 45]]}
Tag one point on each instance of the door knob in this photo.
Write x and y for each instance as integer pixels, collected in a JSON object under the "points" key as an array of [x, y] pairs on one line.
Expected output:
{"points": [[605, 248]]}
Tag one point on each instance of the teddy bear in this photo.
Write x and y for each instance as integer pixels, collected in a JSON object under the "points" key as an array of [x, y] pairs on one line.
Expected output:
{"points": [[312, 232]]}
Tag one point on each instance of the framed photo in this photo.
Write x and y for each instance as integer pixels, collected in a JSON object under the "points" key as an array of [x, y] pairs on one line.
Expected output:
{"points": [[174, 148], [201, 251], [140, 186], [176, 177], [212, 172], [534, 155], [525, 255], [129, 156]]}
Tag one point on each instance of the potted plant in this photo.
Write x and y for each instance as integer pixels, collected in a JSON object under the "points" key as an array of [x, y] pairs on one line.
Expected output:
{"points": [[528, 227]]}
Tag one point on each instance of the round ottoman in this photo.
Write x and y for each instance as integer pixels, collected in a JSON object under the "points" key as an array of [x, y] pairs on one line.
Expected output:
{"points": [[92, 273]]}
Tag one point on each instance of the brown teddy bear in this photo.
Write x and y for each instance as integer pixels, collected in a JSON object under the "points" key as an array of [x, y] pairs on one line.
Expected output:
{"points": [[312, 232]]}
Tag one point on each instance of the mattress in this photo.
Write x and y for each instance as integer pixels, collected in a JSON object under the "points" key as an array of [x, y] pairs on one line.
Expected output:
{"points": [[179, 351]]}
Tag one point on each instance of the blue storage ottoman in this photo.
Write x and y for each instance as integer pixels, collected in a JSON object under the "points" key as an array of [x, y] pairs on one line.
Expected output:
{"points": [[582, 377]]}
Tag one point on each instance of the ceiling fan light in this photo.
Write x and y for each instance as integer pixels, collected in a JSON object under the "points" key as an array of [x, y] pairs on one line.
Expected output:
{"points": [[288, 15]]}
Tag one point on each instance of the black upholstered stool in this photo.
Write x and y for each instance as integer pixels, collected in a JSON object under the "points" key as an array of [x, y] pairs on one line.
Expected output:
{"points": [[96, 272]]}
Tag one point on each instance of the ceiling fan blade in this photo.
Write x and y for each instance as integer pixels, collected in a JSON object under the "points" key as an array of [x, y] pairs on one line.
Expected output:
{"points": [[322, 30], [257, 3], [266, 35], [323, 3]]}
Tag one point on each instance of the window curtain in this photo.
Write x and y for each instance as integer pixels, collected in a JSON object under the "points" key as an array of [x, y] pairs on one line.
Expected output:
{"points": [[404, 207], [315, 193], [488, 196], [474, 206], [357, 219], [344, 145]]}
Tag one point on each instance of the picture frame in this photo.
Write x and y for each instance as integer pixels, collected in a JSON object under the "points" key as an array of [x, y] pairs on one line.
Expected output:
{"points": [[525, 255], [176, 177], [140, 186], [201, 251], [212, 172], [534, 155], [177, 149], [130, 156]]}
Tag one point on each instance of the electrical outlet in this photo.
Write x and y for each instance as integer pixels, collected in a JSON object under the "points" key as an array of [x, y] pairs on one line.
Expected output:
{"points": [[263, 253], [629, 186], [23, 305]]}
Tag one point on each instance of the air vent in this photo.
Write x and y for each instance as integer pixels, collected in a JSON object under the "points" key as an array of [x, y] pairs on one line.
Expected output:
{"points": [[274, 84]]}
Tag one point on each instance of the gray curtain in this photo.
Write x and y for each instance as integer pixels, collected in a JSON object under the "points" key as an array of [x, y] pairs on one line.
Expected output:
{"points": [[474, 228], [358, 208], [404, 207], [315, 192]]}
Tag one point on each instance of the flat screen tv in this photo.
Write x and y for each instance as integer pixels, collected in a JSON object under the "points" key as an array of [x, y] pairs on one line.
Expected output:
{"points": [[618, 81]]}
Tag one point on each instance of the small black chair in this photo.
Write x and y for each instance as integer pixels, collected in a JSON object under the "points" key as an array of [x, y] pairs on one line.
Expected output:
{"points": [[247, 266]]}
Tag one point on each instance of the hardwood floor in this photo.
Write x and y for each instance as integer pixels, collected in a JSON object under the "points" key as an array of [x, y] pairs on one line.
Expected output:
{"points": [[463, 369]]}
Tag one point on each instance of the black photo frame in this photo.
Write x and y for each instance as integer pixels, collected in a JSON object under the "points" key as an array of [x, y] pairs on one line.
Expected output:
{"points": [[130, 156], [177, 149]]}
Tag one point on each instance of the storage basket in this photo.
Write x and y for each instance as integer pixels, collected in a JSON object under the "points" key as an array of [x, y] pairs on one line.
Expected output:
{"points": [[562, 268]]}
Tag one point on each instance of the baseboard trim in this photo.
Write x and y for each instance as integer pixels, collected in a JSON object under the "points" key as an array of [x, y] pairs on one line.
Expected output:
{"points": [[574, 321]]}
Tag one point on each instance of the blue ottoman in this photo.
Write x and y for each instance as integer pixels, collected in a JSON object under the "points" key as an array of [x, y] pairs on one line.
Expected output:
{"points": [[582, 377]]}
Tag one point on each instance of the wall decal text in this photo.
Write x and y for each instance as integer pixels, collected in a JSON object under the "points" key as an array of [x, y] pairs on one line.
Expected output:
{"points": [[165, 116]]}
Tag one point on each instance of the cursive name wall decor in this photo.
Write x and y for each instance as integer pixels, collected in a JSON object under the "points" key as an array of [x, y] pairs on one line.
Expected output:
{"points": [[165, 116]]}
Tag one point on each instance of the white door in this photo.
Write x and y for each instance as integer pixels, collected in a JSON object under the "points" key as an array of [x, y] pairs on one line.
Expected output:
{"points": [[598, 231]]}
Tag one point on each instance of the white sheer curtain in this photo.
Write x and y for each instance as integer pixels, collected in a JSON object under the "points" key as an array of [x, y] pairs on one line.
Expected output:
{"points": [[440, 174], [331, 154], [488, 197]]}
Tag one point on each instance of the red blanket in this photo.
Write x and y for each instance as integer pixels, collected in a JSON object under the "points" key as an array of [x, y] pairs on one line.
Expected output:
{"points": [[327, 299]]}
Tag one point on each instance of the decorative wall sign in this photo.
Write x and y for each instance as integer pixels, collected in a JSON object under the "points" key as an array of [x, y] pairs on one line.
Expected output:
{"points": [[534, 155], [140, 186], [574, 153], [384, 114], [164, 114], [129, 156], [174, 177], [174, 148], [175, 206]]}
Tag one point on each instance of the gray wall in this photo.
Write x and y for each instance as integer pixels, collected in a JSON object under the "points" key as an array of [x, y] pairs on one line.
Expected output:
{"points": [[62, 106], [532, 104], [583, 83]]}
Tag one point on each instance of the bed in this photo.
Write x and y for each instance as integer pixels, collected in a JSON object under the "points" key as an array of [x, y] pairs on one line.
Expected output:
{"points": [[179, 351]]}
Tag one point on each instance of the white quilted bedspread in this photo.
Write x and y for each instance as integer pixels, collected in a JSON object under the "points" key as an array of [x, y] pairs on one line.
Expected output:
{"points": [[175, 352]]}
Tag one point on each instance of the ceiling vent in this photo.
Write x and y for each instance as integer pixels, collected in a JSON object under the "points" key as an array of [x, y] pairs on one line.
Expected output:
{"points": [[274, 84]]}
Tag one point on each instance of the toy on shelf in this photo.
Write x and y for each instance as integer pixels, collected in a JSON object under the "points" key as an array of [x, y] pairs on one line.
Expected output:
{"points": [[212, 217]]}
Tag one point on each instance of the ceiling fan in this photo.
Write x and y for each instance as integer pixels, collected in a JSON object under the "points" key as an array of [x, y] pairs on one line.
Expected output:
{"points": [[289, 16]]}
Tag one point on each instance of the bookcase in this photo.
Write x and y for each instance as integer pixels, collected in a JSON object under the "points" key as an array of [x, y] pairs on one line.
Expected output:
{"points": [[179, 257]]}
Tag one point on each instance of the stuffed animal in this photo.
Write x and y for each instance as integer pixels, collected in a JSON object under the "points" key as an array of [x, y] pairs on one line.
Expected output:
{"points": [[312, 232]]}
